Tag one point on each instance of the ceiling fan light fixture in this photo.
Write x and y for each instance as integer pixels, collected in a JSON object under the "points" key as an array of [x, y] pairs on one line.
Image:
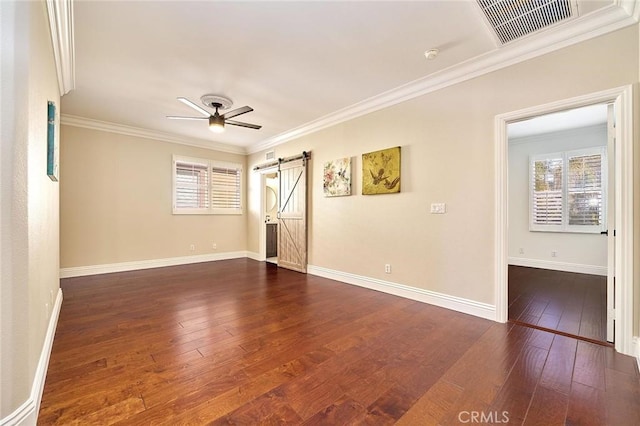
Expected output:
{"points": [[216, 123]]}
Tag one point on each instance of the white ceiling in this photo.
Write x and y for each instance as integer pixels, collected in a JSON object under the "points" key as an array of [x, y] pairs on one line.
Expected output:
{"points": [[293, 62]]}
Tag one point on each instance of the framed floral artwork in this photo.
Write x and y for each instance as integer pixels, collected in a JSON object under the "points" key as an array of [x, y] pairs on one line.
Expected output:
{"points": [[337, 177]]}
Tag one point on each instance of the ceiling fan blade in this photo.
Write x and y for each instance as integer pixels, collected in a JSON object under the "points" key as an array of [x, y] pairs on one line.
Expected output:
{"points": [[236, 112], [241, 124], [194, 106], [175, 117]]}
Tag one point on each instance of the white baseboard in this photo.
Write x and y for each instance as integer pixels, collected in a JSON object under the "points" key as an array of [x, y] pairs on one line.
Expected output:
{"points": [[81, 271], [459, 304], [27, 413], [255, 256], [558, 266]]}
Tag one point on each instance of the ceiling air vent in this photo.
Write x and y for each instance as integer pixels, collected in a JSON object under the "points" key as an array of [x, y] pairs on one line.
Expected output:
{"points": [[513, 19]]}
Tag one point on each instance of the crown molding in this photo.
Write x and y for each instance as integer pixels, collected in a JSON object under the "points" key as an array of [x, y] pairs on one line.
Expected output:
{"points": [[88, 123], [60, 14], [600, 22]]}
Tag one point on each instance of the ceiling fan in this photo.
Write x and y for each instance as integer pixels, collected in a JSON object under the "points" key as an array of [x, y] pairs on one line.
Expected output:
{"points": [[217, 121]]}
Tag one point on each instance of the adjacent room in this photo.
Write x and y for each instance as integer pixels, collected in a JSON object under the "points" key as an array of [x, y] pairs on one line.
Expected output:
{"points": [[560, 210], [320, 212]]}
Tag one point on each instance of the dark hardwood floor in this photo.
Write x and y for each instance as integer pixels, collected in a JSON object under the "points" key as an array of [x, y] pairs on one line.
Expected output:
{"points": [[243, 342], [571, 303]]}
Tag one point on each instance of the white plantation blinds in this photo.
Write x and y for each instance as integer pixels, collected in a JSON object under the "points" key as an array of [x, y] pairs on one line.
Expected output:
{"points": [[206, 187], [225, 186], [584, 189], [568, 191], [547, 191], [191, 186]]}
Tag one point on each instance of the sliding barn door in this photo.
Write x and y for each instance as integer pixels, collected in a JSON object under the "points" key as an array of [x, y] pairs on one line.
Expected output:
{"points": [[292, 215]]}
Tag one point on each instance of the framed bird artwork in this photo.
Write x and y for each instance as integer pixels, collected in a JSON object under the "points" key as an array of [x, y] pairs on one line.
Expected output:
{"points": [[381, 172]]}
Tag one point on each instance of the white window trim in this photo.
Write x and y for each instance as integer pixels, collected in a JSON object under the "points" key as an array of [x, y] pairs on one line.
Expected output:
{"points": [[210, 164], [565, 227]]}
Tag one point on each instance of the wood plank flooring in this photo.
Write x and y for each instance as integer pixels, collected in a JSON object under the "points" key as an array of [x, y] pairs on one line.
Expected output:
{"points": [[243, 342], [571, 303]]}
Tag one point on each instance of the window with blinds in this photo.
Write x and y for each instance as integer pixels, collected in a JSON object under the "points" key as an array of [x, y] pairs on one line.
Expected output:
{"points": [[202, 186], [225, 188], [568, 191], [191, 187], [584, 190], [547, 191]]}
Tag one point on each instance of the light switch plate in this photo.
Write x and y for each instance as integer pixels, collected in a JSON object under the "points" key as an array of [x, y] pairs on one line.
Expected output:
{"points": [[438, 208]]}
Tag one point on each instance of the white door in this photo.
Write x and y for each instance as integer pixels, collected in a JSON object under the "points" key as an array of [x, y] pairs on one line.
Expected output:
{"points": [[292, 215], [611, 222]]}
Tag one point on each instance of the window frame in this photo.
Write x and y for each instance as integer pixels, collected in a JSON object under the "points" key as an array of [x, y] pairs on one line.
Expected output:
{"points": [[564, 226], [211, 165]]}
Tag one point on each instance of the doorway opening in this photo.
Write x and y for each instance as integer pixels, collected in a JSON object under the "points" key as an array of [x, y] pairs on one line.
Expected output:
{"points": [[271, 186], [283, 211], [559, 213], [619, 252]]}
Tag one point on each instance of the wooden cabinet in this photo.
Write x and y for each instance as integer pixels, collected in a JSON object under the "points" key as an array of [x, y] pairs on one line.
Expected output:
{"points": [[272, 239]]}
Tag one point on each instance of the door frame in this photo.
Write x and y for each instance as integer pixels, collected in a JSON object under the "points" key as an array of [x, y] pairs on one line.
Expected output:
{"points": [[622, 97], [262, 234]]}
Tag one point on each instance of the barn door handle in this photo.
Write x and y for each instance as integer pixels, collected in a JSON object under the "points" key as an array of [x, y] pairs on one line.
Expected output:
{"points": [[604, 232]]}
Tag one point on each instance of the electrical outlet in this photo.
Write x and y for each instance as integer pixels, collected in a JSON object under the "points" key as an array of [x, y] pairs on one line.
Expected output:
{"points": [[521, 251], [387, 268], [554, 254], [214, 246], [192, 247]]}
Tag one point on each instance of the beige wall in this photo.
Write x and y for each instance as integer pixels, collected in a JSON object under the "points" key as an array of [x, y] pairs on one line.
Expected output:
{"points": [[116, 197], [447, 144], [29, 207]]}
